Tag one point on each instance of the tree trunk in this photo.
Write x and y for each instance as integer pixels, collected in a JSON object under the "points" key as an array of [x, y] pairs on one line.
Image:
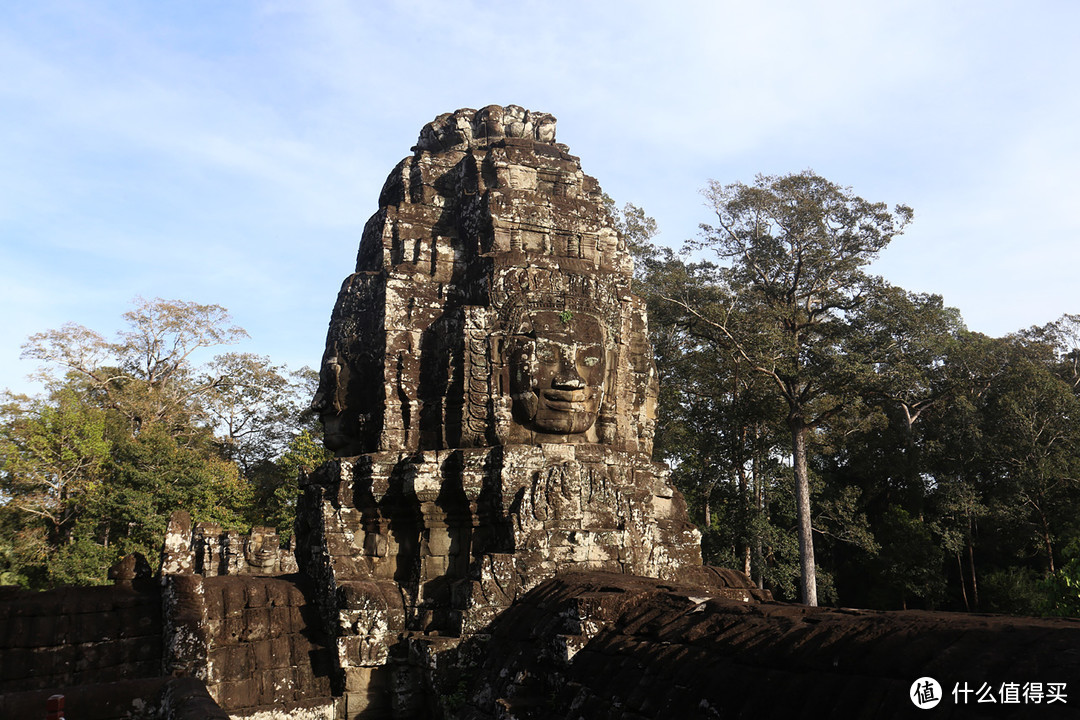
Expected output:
{"points": [[808, 574], [707, 509], [963, 583], [1046, 540], [971, 563], [744, 509], [759, 503], [910, 466]]}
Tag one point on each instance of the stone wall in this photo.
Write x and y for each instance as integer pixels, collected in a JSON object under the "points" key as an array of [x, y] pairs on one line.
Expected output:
{"points": [[206, 549], [261, 650], [254, 641], [89, 636]]}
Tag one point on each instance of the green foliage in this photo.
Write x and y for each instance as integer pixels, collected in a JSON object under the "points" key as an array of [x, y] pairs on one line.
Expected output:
{"points": [[1061, 591], [131, 430], [942, 464], [278, 482], [1015, 590], [52, 457], [909, 565]]}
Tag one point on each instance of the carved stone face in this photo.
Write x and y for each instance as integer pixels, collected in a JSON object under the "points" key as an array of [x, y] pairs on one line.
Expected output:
{"points": [[261, 549], [557, 372]]}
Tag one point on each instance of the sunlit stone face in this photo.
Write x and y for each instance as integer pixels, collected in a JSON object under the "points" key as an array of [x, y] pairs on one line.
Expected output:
{"points": [[261, 550], [557, 372]]}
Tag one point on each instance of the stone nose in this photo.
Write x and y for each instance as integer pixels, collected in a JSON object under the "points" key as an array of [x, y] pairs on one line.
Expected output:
{"points": [[568, 379]]}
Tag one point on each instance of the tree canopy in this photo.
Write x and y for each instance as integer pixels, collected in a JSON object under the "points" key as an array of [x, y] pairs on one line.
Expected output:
{"points": [[809, 406], [790, 275], [133, 427]]}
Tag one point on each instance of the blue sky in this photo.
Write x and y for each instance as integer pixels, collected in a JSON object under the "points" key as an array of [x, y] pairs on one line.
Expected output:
{"points": [[230, 152]]}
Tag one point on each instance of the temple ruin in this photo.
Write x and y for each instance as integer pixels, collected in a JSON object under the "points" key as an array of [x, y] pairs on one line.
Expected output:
{"points": [[493, 539]]}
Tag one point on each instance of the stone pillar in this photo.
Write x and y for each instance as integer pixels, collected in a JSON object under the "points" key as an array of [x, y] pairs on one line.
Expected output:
{"points": [[184, 621], [177, 557]]}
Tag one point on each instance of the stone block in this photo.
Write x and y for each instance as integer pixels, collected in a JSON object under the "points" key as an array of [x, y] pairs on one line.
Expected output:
{"points": [[300, 649], [17, 664], [276, 685], [255, 595], [307, 685], [368, 691], [139, 621], [256, 625], [237, 694], [233, 599], [262, 652], [337, 543], [278, 594], [232, 629], [432, 567], [281, 620], [230, 663], [280, 652], [439, 541]]}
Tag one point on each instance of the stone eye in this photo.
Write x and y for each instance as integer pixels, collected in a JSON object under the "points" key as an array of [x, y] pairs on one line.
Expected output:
{"points": [[591, 358], [546, 354]]}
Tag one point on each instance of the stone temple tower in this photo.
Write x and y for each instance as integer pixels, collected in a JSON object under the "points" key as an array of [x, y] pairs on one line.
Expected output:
{"points": [[489, 389]]}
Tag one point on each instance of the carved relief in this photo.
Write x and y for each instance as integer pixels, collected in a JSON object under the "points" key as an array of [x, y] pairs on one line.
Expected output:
{"points": [[558, 372]]}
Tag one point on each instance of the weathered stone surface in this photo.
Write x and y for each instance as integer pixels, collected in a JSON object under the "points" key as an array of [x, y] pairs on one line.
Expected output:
{"points": [[131, 570], [177, 557], [490, 305], [77, 636], [600, 645], [208, 550], [258, 652], [489, 388]]}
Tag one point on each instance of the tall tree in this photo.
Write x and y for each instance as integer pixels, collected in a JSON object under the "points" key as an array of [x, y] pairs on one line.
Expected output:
{"points": [[254, 405], [146, 373], [792, 254], [1031, 418], [908, 337]]}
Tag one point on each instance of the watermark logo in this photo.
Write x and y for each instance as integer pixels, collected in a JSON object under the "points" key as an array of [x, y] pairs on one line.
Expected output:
{"points": [[925, 693], [1012, 693]]}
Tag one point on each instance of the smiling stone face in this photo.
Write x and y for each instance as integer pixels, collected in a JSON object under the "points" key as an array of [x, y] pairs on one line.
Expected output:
{"points": [[557, 372]]}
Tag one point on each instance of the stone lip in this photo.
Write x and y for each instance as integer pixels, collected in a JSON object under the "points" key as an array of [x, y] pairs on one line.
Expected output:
{"points": [[468, 128]]}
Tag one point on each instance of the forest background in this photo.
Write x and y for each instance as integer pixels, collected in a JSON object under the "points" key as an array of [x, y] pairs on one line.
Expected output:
{"points": [[941, 467]]}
